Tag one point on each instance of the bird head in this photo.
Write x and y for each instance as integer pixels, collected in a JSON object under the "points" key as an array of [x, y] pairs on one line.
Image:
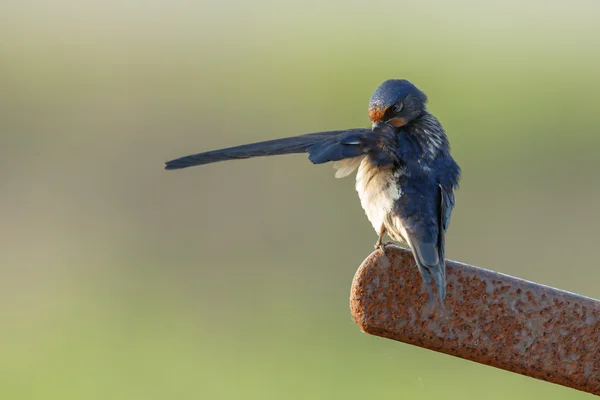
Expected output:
{"points": [[396, 102]]}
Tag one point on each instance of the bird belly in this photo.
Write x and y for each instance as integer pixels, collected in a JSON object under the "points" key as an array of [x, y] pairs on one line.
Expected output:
{"points": [[378, 190]]}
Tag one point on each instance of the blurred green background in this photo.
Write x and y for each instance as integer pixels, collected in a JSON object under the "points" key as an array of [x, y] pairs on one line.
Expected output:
{"points": [[120, 280]]}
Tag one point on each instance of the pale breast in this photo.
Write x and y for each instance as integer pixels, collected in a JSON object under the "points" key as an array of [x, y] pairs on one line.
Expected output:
{"points": [[378, 190]]}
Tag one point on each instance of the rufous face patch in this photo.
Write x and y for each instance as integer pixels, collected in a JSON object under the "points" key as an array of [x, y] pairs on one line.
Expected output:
{"points": [[376, 114]]}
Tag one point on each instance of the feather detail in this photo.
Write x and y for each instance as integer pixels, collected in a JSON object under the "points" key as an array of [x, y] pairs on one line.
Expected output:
{"points": [[347, 166]]}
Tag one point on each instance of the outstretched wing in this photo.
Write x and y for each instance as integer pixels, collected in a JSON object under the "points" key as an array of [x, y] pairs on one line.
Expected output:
{"points": [[322, 147]]}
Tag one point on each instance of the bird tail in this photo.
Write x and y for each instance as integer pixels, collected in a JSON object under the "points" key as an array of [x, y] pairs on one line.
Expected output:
{"points": [[322, 146], [432, 267]]}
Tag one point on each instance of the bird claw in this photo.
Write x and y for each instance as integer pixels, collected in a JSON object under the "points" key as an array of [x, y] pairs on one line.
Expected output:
{"points": [[381, 246]]}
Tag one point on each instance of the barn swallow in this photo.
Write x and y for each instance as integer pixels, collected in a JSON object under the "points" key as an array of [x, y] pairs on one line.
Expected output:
{"points": [[406, 176]]}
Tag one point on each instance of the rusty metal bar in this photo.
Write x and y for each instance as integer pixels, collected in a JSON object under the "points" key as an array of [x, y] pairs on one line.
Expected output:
{"points": [[489, 318]]}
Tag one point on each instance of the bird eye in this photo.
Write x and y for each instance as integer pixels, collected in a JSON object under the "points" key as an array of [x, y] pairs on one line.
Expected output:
{"points": [[398, 107]]}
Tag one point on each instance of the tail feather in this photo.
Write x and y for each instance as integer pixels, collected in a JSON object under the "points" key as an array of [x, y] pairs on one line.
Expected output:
{"points": [[430, 265]]}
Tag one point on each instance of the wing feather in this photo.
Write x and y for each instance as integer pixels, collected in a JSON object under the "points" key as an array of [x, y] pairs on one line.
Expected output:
{"points": [[322, 147]]}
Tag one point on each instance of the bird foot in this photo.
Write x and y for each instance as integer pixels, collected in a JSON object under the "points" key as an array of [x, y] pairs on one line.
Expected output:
{"points": [[381, 246]]}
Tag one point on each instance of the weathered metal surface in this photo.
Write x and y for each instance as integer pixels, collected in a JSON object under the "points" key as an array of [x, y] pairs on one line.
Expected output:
{"points": [[489, 318]]}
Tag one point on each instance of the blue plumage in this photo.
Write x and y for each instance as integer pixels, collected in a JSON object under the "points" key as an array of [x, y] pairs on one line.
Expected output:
{"points": [[406, 176]]}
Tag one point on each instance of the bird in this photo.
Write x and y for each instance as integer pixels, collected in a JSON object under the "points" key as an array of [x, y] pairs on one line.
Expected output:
{"points": [[406, 176]]}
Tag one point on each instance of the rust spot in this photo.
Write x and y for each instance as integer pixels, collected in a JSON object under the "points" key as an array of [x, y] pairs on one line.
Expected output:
{"points": [[518, 326], [376, 114]]}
